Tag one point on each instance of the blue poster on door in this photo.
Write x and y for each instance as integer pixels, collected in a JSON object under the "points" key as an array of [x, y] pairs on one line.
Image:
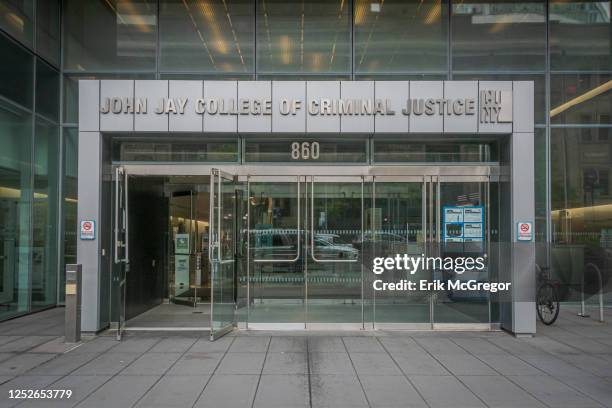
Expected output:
{"points": [[463, 224]]}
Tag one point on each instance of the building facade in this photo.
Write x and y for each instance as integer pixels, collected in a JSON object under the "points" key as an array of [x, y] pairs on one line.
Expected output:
{"points": [[562, 48]]}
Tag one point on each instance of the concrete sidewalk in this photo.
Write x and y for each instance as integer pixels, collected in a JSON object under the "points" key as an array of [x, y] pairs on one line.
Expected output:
{"points": [[566, 365]]}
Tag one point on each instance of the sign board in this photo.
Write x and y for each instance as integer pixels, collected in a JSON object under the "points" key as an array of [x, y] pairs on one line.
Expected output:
{"points": [[463, 224], [88, 230], [524, 231], [181, 244]]}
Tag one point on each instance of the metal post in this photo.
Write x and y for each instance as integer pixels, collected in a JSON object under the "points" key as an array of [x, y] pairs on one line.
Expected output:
{"points": [[73, 303]]}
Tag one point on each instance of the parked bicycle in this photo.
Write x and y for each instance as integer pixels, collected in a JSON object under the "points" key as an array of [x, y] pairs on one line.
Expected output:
{"points": [[547, 296]]}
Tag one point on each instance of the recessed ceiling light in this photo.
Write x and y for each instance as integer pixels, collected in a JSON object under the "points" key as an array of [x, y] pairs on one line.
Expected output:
{"points": [[375, 7]]}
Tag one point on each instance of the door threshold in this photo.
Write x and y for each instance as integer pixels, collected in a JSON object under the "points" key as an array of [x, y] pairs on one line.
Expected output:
{"points": [[166, 329]]}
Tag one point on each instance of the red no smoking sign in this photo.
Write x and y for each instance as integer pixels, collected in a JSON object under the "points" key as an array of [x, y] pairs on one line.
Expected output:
{"points": [[88, 229], [524, 231]]}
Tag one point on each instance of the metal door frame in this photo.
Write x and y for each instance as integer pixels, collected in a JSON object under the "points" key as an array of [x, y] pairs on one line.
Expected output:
{"points": [[298, 180], [424, 181], [121, 226], [323, 179], [217, 260], [434, 224], [430, 175]]}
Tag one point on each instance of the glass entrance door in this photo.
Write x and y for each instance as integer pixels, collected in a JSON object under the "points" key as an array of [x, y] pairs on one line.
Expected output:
{"points": [[312, 241], [462, 229], [121, 255], [276, 267], [396, 225], [335, 291], [222, 253]]}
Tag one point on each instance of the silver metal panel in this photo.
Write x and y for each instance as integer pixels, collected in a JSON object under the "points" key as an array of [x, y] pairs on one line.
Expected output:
{"points": [[156, 93], [116, 122], [283, 92], [523, 253], [89, 105], [318, 90], [523, 106], [464, 123], [426, 123], [332, 171], [220, 122], [262, 92], [504, 86], [190, 121], [89, 201], [397, 92], [357, 90]]}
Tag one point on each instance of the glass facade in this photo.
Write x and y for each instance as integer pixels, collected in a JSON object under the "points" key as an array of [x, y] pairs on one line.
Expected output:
{"points": [[29, 155], [565, 47]]}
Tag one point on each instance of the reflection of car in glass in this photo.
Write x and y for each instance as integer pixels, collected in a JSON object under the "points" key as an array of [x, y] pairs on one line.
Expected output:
{"points": [[281, 244], [325, 248]]}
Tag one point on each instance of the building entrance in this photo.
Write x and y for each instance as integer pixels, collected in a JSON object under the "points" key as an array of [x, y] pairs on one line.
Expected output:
{"points": [[297, 252], [313, 241]]}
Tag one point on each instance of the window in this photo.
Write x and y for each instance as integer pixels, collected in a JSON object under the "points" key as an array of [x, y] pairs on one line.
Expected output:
{"points": [[580, 35], [303, 37], [212, 36], [16, 72], [399, 36], [107, 35], [17, 17], [499, 35]]}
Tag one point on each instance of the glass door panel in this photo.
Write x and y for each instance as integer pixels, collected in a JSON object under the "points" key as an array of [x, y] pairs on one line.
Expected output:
{"points": [[120, 247], [334, 288], [462, 223], [222, 250], [396, 226], [275, 242]]}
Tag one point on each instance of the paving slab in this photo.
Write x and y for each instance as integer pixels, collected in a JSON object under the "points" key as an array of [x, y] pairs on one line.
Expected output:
{"points": [[151, 364], [336, 391], [196, 364], [478, 346], [242, 363], [326, 344], [374, 364], [363, 345], [445, 392], [464, 364], [22, 363], [107, 364], [499, 392], [419, 364], [24, 343], [596, 388], [174, 392], [64, 364], [173, 345], [216, 392], [331, 363], [138, 344], [204, 345], [120, 391], [509, 365], [282, 391], [286, 363], [288, 344], [250, 344], [390, 391], [553, 392], [554, 366]]}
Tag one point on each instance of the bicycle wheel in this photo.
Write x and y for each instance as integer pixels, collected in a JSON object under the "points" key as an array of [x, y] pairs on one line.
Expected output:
{"points": [[547, 303]]}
